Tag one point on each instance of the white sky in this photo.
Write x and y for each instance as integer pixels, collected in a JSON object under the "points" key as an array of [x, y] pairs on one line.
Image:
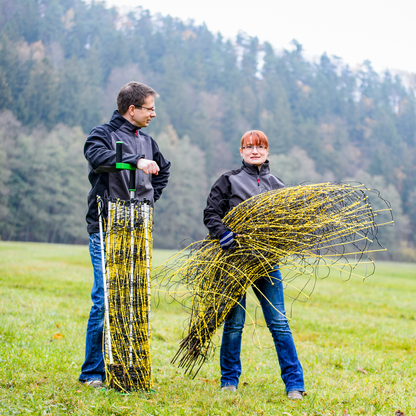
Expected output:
{"points": [[382, 31]]}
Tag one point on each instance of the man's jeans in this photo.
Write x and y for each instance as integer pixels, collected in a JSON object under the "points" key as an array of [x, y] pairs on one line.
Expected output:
{"points": [[270, 297], [93, 367]]}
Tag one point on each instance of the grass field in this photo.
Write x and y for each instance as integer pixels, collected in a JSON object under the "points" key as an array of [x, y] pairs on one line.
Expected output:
{"points": [[356, 341]]}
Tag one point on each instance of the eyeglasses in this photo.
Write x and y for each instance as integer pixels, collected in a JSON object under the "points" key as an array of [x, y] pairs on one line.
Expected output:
{"points": [[250, 148], [151, 109]]}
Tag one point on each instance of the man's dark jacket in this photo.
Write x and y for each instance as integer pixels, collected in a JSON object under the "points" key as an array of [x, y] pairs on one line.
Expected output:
{"points": [[234, 187], [100, 152]]}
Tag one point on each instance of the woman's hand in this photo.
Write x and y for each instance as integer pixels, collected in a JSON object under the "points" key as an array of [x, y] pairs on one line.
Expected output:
{"points": [[227, 240]]}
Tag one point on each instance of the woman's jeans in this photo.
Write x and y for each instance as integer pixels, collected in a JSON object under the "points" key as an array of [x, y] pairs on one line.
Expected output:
{"points": [[93, 367], [266, 289]]}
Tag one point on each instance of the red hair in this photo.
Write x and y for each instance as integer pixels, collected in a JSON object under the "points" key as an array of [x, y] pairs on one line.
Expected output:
{"points": [[255, 138]]}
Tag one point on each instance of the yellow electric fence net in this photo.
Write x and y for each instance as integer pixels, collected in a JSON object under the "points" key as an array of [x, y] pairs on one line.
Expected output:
{"points": [[307, 230], [128, 244]]}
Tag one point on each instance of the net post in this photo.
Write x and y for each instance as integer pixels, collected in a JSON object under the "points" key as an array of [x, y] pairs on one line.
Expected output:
{"points": [[104, 271], [145, 213]]}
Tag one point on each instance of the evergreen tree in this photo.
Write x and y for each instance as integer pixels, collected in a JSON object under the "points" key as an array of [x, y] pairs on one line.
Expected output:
{"points": [[295, 168], [39, 99], [45, 181], [276, 116], [178, 214]]}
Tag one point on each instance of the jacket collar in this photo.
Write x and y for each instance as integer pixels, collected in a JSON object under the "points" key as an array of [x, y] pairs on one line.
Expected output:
{"points": [[253, 169], [117, 121]]}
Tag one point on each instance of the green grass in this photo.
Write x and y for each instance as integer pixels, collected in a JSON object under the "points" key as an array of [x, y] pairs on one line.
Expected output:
{"points": [[356, 341]]}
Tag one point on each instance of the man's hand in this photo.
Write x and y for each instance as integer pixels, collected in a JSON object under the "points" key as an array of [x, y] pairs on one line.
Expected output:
{"points": [[148, 166]]}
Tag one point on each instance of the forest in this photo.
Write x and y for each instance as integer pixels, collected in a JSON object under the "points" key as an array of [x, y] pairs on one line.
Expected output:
{"points": [[62, 64]]}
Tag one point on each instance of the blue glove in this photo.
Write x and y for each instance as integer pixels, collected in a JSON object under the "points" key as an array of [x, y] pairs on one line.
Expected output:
{"points": [[227, 240]]}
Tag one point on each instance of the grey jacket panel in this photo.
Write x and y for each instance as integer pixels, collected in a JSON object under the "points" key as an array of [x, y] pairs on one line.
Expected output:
{"points": [[138, 144], [250, 181]]}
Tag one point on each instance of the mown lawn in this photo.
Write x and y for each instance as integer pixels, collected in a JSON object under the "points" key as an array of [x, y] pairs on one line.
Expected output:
{"points": [[356, 341]]}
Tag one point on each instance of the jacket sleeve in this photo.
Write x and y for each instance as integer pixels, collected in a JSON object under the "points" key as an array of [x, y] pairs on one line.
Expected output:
{"points": [[99, 152], [159, 181], [217, 207]]}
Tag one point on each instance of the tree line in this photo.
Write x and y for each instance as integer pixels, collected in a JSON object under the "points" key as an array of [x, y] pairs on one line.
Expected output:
{"points": [[63, 62]]}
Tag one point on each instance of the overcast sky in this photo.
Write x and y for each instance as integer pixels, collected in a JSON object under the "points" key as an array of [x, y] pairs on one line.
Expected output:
{"points": [[382, 31]]}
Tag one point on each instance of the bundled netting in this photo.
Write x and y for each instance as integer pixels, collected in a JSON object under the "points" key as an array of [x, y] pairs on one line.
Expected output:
{"points": [[307, 230], [128, 254]]}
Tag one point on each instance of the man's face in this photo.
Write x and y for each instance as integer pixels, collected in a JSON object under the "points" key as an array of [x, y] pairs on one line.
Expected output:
{"points": [[141, 116], [254, 155]]}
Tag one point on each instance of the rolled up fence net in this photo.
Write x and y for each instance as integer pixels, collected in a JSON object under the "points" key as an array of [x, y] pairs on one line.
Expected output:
{"points": [[308, 230], [128, 255]]}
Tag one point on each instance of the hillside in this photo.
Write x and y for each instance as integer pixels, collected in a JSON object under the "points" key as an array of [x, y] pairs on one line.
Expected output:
{"points": [[63, 62]]}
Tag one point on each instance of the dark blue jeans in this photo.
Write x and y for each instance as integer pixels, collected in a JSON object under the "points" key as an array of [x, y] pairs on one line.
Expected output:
{"points": [[93, 367], [269, 291]]}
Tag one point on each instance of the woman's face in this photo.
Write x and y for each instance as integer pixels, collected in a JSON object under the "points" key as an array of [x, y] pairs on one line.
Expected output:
{"points": [[254, 154]]}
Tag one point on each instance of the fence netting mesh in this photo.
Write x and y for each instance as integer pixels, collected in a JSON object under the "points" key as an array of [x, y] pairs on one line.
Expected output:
{"points": [[309, 231], [128, 256]]}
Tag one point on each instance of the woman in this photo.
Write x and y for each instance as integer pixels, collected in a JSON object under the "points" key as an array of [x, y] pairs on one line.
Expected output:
{"points": [[232, 188]]}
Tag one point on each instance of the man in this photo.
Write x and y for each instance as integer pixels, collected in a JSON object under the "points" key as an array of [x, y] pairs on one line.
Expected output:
{"points": [[136, 108]]}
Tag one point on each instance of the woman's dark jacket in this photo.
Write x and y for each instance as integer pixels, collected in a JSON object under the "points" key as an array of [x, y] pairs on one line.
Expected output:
{"points": [[100, 152], [234, 187]]}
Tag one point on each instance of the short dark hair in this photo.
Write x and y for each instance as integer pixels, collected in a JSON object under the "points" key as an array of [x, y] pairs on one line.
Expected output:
{"points": [[133, 93]]}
